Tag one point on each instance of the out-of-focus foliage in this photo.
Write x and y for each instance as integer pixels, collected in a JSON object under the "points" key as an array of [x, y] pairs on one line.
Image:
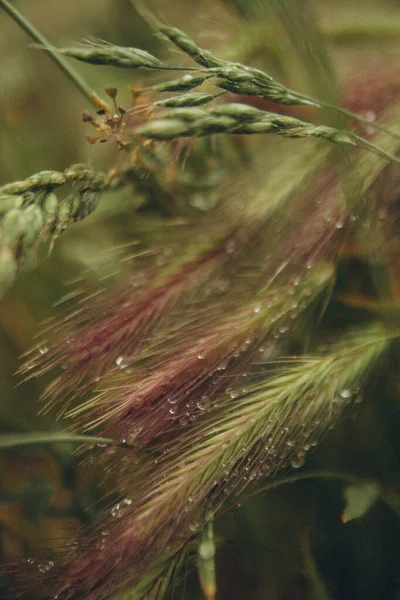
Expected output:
{"points": [[290, 542]]}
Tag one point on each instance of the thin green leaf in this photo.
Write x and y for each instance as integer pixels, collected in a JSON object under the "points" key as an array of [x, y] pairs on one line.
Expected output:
{"points": [[318, 589], [34, 34], [11, 440]]}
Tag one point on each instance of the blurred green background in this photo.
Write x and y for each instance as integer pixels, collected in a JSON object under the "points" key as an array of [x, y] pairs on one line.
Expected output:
{"points": [[287, 543]]}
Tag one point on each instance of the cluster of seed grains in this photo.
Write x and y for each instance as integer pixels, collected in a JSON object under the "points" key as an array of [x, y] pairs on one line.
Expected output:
{"points": [[116, 56], [247, 81], [243, 119], [194, 99], [238, 119], [31, 212], [183, 84], [184, 42], [44, 179]]}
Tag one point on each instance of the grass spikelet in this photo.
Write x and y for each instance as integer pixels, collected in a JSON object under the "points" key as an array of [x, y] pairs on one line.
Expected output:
{"points": [[102, 53], [183, 84], [31, 213], [170, 390], [185, 43], [128, 321], [242, 439], [242, 119], [195, 99], [45, 179], [163, 576]]}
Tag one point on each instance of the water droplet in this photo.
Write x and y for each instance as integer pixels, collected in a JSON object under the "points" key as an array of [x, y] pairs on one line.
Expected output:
{"points": [[230, 247], [187, 77], [201, 356], [119, 508], [256, 309], [203, 403], [339, 225], [46, 566], [370, 115], [173, 410], [119, 361], [202, 201], [345, 394], [172, 400], [298, 461], [220, 286], [131, 437], [43, 349]]}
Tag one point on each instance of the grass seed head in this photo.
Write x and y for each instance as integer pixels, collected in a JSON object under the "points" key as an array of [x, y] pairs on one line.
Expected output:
{"points": [[184, 42], [100, 53], [195, 99], [183, 84]]}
